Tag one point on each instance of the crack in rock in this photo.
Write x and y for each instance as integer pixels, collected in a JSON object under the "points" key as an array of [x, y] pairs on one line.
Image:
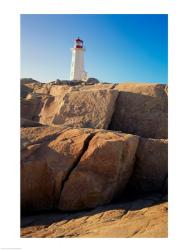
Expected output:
{"points": [[76, 162]]}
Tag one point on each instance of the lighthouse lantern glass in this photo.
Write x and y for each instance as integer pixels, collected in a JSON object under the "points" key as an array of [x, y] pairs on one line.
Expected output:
{"points": [[79, 44]]}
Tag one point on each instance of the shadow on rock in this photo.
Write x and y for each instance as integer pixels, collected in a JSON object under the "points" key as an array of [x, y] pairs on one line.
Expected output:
{"points": [[46, 218]]}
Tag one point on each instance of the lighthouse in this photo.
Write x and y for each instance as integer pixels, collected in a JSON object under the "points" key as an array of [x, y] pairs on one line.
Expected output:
{"points": [[77, 64]]}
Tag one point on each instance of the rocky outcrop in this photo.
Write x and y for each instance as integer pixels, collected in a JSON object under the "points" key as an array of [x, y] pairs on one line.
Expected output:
{"points": [[36, 135], [28, 80], [74, 169], [47, 157], [50, 108], [71, 162], [31, 106], [102, 172], [59, 90], [55, 159], [140, 218], [88, 109], [131, 108], [29, 85], [100, 167], [98, 86], [25, 90], [151, 167], [141, 109]]}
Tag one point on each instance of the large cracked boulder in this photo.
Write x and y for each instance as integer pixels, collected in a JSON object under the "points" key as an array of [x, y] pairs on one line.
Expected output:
{"points": [[151, 167], [141, 109], [73, 166], [102, 172], [48, 154]]}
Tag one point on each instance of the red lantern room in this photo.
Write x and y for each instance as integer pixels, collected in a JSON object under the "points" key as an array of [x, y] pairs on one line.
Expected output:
{"points": [[78, 43]]}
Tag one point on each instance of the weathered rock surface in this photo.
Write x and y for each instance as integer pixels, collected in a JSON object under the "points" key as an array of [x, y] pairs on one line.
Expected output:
{"points": [[51, 107], [91, 109], [28, 80], [141, 109], [98, 86], [66, 106], [69, 162], [29, 85], [31, 106], [139, 218], [59, 90], [98, 168], [36, 135], [47, 158], [151, 167], [102, 172]]}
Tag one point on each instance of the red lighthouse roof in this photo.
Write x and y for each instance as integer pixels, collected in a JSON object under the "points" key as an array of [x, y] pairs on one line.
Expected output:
{"points": [[78, 40], [78, 43]]}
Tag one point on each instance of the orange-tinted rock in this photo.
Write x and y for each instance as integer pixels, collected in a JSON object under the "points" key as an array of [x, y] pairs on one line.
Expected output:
{"points": [[31, 106], [141, 109], [133, 219], [47, 159], [89, 109], [151, 167], [102, 172], [59, 90], [35, 135], [71, 166]]}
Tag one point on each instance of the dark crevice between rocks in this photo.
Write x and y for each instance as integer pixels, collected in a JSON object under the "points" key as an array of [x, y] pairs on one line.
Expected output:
{"points": [[76, 162], [112, 116], [131, 194], [47, 140]]}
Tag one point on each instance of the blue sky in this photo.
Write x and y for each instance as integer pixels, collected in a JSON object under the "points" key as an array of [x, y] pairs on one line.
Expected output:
{"points": [[119, 48]]}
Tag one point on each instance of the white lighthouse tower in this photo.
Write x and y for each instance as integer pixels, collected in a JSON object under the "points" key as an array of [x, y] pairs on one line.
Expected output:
{"points": [[77, 63]]}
